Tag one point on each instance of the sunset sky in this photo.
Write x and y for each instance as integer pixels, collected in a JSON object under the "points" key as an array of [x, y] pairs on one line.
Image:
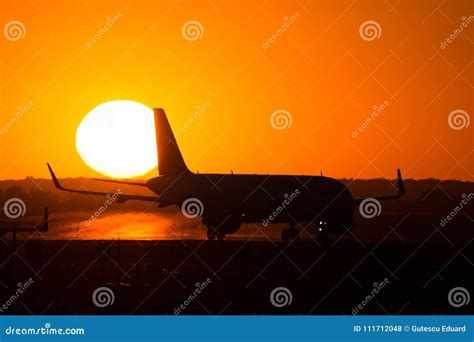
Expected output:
{"points": [[320, 67]]}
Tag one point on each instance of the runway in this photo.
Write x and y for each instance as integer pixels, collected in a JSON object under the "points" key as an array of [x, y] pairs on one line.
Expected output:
{"points": [[160, 277]]}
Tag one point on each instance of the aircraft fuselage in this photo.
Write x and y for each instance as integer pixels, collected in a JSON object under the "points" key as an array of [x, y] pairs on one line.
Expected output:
{"points": [[260, 198]]}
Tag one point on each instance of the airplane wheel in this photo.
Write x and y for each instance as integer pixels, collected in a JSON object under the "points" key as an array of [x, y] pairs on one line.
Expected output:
{"points": [[294, 234], [285, 235], [211, 234], [289, 234], [322, 236]]}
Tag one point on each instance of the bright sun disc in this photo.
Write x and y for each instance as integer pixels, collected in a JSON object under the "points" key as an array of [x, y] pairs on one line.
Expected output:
{"points": [[117, 138]]}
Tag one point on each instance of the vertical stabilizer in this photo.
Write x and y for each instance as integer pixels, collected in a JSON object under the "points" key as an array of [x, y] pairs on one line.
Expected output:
{"points": [[170, 160]]}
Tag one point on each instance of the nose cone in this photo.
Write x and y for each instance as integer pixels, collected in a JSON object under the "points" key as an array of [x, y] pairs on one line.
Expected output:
{"points": [[346, 199]]}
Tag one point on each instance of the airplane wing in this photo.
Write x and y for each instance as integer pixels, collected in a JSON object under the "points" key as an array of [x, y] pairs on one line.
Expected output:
{"points": [[120, 182], [401, 191], [121, 197]]}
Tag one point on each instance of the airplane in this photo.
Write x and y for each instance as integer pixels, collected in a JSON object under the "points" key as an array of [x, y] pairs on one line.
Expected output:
{"points": [[225, 201]]}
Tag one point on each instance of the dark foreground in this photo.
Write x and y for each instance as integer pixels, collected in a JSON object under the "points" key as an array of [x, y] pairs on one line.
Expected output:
{"points": [[157, 277]]}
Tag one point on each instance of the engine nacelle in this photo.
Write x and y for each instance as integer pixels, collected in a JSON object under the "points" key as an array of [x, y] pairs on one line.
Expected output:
{"points": [[227, 224]]}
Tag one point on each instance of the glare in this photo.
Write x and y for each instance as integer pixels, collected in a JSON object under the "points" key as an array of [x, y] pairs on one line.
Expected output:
{"points": [[117, 139]]}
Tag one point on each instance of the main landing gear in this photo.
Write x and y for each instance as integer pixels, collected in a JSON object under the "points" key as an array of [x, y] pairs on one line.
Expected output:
{"points": [[214, 233], [322, 232], [290, 233]]}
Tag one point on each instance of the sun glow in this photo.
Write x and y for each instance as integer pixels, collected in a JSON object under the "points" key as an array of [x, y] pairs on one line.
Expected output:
{"points": [[117, 139]]}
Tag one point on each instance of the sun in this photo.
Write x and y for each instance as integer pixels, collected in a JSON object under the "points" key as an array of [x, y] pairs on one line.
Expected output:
{"points": [[117, 139]]}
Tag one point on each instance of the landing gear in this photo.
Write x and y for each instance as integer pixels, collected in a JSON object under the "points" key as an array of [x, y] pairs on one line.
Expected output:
{"points": [[214, 233], [211, 234], [290, 233], [322, 235]]}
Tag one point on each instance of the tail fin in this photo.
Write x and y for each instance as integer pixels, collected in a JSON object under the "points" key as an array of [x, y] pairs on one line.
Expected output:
{"points": [[170, 160]]}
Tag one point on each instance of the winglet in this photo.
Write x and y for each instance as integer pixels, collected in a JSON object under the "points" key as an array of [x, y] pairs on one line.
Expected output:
{"points": [[401, 192], [53, 176]]}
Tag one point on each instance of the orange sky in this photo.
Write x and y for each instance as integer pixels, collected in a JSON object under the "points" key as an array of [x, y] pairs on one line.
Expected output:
{"points": [[319, 69]]}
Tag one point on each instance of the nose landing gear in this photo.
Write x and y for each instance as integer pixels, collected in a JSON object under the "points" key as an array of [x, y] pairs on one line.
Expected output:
{"points": [[322, 232], [290, 233]]}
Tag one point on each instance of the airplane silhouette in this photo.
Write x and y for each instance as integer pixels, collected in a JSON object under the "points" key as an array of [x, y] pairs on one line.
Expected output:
{"points": [[225, 201]]}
